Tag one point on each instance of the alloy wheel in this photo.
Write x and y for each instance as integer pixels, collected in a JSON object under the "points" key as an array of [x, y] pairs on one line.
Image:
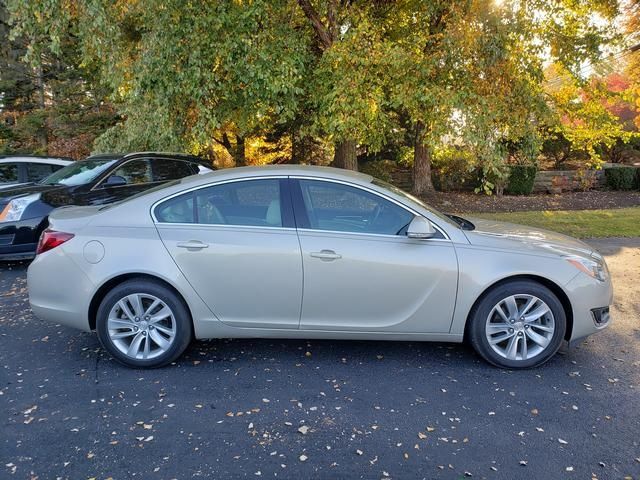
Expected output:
{"points": [[141, 326], [520, 327]]}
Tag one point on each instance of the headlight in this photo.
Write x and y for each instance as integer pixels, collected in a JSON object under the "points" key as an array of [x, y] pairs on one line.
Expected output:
{"points": [[593, 267], [16, 207]]}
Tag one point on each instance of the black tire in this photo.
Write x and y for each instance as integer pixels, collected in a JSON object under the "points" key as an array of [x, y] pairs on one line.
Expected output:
{"points": [[181, 316], [477, 325]]}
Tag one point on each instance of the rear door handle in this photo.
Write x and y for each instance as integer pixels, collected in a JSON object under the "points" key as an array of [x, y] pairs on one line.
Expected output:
{"points": [[193, 245], [327, 255]]}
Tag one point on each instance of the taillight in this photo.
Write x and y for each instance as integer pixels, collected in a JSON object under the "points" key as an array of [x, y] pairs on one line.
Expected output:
{"points": [[51, 239]]}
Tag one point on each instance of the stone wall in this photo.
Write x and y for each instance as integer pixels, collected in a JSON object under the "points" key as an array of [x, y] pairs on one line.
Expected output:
{"points": [[554, 181]]}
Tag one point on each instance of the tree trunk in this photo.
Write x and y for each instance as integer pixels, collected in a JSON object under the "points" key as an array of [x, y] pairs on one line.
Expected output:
{"points": [[345, 156], [239, 154], [421, 162], [39, 81]]}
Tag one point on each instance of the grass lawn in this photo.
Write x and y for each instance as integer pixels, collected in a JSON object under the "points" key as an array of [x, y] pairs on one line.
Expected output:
{"points": [[621, 222]]}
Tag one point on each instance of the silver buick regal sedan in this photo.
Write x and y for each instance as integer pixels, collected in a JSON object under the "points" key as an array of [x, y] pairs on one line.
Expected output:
{"points": [[310, 252]]}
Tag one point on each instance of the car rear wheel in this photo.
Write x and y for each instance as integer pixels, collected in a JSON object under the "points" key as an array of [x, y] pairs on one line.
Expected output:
{"points": [[142, 323], [518, 324]]}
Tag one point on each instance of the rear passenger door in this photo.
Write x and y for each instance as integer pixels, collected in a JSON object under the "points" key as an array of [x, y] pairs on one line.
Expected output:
{"points": [[236, 243]]}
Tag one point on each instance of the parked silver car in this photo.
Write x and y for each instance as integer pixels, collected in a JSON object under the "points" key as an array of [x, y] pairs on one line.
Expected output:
{"points": [[310, 252]]}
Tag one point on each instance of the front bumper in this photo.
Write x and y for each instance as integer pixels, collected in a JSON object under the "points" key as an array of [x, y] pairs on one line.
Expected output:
{"points": [[590, 300], [18, 240]]}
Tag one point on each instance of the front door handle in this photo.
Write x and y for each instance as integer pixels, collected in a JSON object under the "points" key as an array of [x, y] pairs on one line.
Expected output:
{"points": [[327, 255], [193, 245]]}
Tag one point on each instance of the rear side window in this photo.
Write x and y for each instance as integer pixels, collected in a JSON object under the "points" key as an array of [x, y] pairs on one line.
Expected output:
{"points": [[165, 169], [8, 173], [245, 203], [38, 171]]}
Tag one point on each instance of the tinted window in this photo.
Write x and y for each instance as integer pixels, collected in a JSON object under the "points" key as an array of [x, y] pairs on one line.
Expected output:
{"points": [[135, 172], [165, 169], [250, 203], [8, 173], [38, 171], [79, 173], [342, 208]]}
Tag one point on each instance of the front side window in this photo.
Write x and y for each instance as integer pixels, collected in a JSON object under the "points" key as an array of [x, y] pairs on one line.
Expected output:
{"points": [[343, 208], [247, 203], [8, 173], [135, 172]]}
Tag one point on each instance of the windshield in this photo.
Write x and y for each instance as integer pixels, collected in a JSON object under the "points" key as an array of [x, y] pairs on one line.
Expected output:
{"points": [[408, 196], [79, 173]]}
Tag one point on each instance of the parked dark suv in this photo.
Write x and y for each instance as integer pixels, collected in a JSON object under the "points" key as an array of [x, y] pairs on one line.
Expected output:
{"points": [[97, 180]]}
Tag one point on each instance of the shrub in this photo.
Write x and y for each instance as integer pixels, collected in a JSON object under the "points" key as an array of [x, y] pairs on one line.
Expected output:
{"points": [[621, 178], [454, 168], [521, 179], [381, 169]]}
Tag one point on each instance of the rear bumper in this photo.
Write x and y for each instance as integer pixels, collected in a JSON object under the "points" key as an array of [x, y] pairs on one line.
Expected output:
{"points": [[18, 240], [60, 301]]}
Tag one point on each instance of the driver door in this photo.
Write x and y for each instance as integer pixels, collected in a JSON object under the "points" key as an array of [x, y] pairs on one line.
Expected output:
{"points": [[361, 272]]}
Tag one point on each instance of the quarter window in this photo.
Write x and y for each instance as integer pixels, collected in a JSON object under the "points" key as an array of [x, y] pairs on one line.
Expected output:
{"points": [[248, 203], [342, 208]]}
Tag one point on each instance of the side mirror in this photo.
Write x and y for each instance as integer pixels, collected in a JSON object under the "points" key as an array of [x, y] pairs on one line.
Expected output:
{"points": [[115, 181], [420, 228]]}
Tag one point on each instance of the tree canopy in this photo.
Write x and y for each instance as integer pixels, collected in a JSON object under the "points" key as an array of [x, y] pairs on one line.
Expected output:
{"points": [[256, 81]]}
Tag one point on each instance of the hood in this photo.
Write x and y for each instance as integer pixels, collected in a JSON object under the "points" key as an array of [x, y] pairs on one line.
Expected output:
{"points": [[8, 194], [491, 233]]}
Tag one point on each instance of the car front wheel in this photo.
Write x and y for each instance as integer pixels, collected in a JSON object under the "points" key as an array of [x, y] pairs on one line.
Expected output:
{"points": [[143, 323], [518, 324]]}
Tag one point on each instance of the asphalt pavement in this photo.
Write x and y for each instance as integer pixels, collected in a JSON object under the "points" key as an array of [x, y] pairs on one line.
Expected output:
{"points": [[318, 409]]}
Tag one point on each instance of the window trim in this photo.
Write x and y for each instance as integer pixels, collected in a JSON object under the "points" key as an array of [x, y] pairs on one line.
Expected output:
{"points": [[300, 210], [286, 212]]}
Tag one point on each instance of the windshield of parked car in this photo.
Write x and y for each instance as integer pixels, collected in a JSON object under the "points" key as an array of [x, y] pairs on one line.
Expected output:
{"points": [[79, 173]]}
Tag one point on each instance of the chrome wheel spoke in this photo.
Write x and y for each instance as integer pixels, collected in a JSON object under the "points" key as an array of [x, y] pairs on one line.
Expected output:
{"points": [[543, 328], [147, 348], [126, 334], [500, 339], [152, 307], [164, 329], [537, 313], [134, 346], [159, 340], [120, 323], [494, 328], [126, 310], [136, 303], [532, 301], [161, 315], [512, 306], [537, 338], [524, 348], [512, 347]]}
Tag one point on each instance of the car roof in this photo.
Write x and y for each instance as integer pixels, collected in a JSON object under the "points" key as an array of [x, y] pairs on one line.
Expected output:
{"points": [[272, 170], [35, 159], [126, 156]]}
